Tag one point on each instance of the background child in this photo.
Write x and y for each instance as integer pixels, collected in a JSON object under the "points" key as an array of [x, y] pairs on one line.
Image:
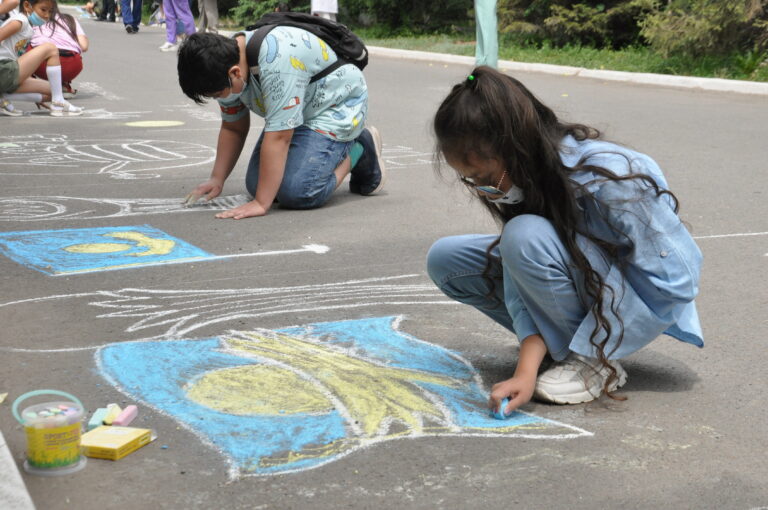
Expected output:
{"points": [[176, 11], [66, 33], [314, 134], [16, 67], [592, 263]]}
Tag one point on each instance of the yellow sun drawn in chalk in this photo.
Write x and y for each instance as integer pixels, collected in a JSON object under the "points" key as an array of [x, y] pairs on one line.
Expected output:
{"points": [[304, 376], [152, 246]]}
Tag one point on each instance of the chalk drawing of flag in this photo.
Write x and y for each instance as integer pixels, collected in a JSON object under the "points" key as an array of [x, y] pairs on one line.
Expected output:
{"points": [[278, 401]]}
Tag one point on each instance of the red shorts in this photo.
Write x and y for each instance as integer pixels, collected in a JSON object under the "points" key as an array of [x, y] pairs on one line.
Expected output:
{"points": [[71, 66]]}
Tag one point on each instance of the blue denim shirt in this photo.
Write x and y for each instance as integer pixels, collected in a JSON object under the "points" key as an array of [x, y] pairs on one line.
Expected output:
{"points": [[660, 278]]}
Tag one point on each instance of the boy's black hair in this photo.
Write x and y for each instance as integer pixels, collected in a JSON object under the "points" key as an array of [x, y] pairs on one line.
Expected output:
{"points": [[204, 60]]}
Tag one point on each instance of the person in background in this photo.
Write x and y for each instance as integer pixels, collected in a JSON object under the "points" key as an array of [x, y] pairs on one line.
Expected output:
{"points": [[325, 9], [176, 10], [16, 66], [209, 16], [131, 11], [107, 11], [66, 33], [6, 6], [486, 30]]}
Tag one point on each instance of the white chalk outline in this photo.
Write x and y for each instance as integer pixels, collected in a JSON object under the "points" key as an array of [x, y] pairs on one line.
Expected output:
{"points": [[180, 312]]}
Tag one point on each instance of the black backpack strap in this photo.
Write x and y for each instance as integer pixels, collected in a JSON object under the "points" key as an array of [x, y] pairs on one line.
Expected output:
{"points": [[254, 45], [328, 70]]}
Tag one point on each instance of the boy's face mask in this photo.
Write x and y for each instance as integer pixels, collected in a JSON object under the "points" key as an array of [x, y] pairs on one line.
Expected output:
{"points": [[233, 95]]}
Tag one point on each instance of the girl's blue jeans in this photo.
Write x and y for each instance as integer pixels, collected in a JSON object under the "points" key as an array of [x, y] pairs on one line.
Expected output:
{"points": [[308, 181], [536, 289]]}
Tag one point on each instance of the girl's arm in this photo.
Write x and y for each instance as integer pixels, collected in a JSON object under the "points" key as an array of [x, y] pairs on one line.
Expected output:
{"points": [[82, 40], [7, 6], [519, 389], [9, 29]]}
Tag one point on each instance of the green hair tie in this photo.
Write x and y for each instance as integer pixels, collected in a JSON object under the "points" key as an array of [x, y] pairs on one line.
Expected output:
{"points": [[471, 77]]}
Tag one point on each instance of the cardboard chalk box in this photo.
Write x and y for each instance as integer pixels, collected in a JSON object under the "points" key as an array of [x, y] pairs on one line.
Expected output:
{"points": [[113, 443]]}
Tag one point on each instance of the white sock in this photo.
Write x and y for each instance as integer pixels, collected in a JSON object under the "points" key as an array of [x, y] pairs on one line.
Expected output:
{"points": [[32, 97], [54, 78]]}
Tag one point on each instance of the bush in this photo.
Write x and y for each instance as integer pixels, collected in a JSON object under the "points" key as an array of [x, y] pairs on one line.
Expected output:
{"points": [[594, 23], [707, 27], [407, 16]]}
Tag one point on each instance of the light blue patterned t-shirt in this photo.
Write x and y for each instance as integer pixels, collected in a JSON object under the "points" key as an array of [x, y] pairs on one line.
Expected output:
{"points": [[335, 105]]}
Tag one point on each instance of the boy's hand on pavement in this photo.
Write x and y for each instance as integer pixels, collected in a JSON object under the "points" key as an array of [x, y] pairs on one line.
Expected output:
{"points": [[252, 208], [210, 188]]}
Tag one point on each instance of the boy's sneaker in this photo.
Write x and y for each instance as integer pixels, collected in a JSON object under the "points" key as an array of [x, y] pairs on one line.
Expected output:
{"points": [[129, 29], [369, 174], [169, 47], [64, 109], [6, 108], [576, 379]]}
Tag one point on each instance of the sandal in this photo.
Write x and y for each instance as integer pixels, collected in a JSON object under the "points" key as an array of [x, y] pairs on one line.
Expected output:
{"points": [[63, 109], [6, 108]]}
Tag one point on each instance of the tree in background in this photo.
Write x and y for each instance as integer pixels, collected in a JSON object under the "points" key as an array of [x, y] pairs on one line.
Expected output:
{"points": [[708, 27]]}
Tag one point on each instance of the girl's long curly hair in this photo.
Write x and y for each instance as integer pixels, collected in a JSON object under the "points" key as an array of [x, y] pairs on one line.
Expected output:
{"points": [[493, 115]]}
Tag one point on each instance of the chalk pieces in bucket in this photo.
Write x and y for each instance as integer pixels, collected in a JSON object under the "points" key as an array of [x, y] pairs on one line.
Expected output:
{"points": [[499, 413]]}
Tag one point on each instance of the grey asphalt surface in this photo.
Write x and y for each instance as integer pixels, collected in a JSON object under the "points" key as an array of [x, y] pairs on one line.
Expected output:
{"points": [[692, 433]]}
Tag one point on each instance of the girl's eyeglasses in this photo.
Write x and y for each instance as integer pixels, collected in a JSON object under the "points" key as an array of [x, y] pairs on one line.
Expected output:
{"points": [[490, 190]]}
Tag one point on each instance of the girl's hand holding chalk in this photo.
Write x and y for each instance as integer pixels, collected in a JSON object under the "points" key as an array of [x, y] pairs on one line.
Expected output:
{"points": [[508, 395]]}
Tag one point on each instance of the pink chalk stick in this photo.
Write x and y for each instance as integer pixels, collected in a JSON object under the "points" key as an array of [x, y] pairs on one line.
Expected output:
{"points": [[126, 417]]}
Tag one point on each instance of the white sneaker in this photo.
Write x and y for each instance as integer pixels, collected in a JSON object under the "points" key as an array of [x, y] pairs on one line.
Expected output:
{"points": [[576, 379], [6, 108], [64, 109], [169, 47]]}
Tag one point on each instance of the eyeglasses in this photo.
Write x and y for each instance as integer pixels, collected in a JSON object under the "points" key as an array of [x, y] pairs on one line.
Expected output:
{"points": [[490, 190]]}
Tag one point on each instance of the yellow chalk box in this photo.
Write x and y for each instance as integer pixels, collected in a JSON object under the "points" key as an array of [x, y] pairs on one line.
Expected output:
{"points": [[113, 443]]}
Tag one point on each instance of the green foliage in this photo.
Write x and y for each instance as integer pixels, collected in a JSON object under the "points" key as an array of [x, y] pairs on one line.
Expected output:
{"points": [[706, 27], [598, 23], [582, 24], [750, 61], [245, 12], [407, 16]]}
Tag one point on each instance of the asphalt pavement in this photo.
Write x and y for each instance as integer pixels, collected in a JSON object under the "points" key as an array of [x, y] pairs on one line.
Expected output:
{"points": [[305, 360]]}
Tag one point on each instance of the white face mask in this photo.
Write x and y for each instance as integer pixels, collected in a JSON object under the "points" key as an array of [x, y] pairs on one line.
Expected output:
{"points": [[233, 95], [513, 196]]}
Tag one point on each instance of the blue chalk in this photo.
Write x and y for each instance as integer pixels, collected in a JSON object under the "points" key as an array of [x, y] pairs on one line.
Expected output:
{"points": [[499, 414]]}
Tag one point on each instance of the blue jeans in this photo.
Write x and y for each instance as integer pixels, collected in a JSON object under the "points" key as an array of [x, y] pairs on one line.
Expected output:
{"points": [[308, 181], [536, 289], [131, 10]]}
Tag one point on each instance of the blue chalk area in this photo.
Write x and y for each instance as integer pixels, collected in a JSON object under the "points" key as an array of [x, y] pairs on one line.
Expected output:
{"points": [[158, 372], [44, 250]]}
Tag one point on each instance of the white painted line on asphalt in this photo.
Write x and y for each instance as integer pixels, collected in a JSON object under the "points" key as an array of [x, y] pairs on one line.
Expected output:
{"points": [[719, 236], [664, 80], [13, 492]]}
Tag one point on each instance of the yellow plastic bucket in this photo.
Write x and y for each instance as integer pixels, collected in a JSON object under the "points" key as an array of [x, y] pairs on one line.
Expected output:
{"points": [[53, 434]]}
